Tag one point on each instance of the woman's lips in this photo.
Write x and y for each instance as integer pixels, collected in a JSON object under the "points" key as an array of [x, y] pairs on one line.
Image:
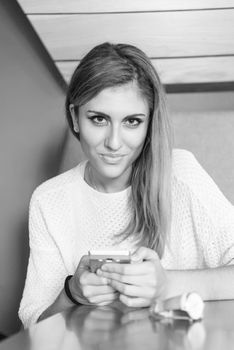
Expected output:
{"points": [[112, 158]]}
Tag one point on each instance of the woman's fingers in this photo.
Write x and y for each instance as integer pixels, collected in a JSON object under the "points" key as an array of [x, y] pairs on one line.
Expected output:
{"points": [[146, 268], [93, 279], [144, 253], [104, 299], [93, 291], [134, 269], [133, 290], [137, 283], [144, 278], [134, 302], [140, 280], [87, 286]]}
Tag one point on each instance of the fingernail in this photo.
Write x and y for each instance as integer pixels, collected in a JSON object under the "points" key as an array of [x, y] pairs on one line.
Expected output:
{"points": [[136, 258]]}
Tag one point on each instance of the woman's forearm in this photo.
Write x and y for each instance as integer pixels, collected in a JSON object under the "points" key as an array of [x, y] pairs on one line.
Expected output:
{"points": [[211, 284]]}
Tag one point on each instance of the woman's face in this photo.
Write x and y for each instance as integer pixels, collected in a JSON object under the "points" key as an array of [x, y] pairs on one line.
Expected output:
{"points": [[113, 127]]}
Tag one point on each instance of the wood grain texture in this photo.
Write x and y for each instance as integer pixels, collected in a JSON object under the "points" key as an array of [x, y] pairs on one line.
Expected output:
{"points": [[159, 34], [193, 41], [90, 6], [180, 71]]}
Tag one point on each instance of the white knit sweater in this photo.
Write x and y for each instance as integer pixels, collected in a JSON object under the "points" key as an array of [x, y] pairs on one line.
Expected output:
{"points": [[68, 218]]}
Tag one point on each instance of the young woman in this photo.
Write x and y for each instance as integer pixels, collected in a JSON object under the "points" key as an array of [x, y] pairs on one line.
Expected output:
{"points": [[132, 193]]}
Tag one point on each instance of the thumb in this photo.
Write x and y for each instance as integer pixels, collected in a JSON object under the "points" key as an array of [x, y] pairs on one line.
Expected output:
{"points": [[84, 263], [144, 253]]}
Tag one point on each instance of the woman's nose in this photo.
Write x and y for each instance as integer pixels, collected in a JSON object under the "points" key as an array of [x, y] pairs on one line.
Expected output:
{"points": [[113, 139]]}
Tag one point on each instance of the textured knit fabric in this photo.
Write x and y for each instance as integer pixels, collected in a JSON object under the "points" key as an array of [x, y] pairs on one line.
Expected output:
{"points": [[68, 218]]}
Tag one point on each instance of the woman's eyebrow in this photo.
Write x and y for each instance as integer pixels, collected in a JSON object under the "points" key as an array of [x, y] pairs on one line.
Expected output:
{"points": [[127, 116], [136, 115], [99, 113]]}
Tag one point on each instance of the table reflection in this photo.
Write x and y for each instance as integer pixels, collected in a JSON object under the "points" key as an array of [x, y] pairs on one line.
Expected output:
{"points": [[118, 327]]}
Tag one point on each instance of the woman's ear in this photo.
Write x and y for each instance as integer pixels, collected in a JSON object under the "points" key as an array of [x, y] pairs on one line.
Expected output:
{"points": [[74, 118]]}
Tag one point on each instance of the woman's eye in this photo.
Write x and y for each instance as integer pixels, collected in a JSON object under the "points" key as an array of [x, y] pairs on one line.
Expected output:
{"points": [[99, 120], [133, 122]]}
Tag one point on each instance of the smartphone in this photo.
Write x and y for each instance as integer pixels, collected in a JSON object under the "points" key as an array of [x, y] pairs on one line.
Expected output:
{"points": [[98, 257]]}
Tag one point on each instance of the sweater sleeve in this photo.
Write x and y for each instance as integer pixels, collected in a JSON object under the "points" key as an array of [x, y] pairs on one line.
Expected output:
{"points": [[213, 216], [46, 270]]}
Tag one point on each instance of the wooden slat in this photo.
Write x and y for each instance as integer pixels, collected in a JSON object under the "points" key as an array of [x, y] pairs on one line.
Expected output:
{"points": [[90, 6], [180, 71], [160, 34]]}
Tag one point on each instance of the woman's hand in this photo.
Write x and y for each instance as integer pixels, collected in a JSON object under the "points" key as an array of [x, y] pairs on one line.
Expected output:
{"points": [[139, 282], [88, 288]]}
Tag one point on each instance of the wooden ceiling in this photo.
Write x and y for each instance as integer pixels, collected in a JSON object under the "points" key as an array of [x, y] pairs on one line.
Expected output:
{"points": [[191, 43]]}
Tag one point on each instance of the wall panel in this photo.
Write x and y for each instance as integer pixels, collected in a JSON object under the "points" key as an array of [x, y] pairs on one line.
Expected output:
{"points": [[90, 6], [159, 34], [193, 41], [179, 71]]}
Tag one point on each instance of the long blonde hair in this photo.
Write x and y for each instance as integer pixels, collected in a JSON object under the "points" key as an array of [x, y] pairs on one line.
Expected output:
{"points": [[108, 65]]}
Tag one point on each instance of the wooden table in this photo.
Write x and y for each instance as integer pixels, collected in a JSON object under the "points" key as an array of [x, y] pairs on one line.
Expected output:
{"points": [[122, 328]]}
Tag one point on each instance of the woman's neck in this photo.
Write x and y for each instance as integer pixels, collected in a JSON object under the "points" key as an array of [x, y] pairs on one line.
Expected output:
{"points": [[105, 185]]}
